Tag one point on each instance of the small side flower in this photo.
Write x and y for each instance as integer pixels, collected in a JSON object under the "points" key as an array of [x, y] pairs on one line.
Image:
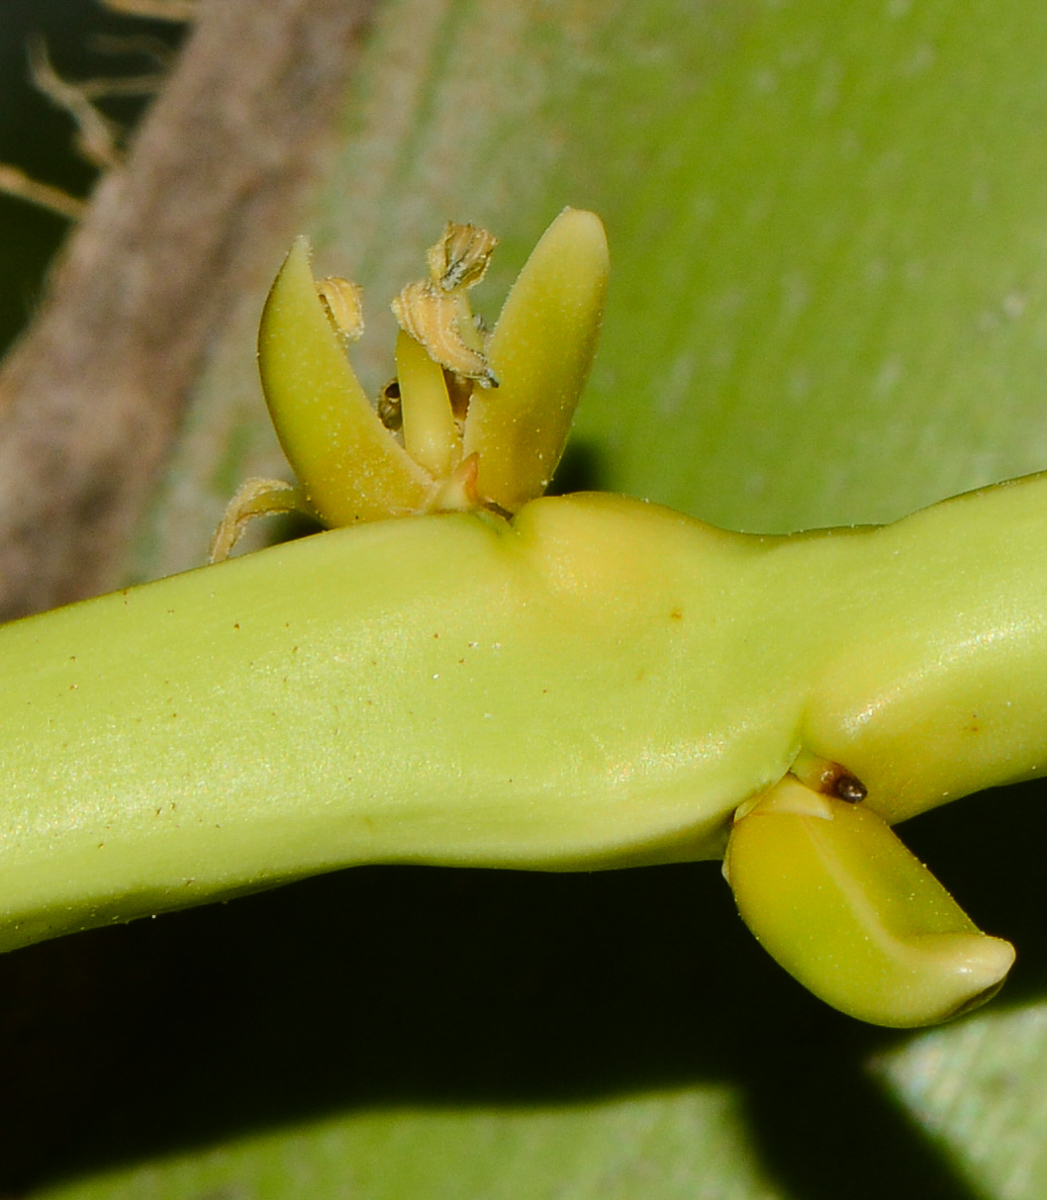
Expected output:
{"points": [[472, 420]]}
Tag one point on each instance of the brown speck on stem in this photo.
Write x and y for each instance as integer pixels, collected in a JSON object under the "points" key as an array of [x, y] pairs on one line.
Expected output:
{"points": [[829, 778], [850, 789]]}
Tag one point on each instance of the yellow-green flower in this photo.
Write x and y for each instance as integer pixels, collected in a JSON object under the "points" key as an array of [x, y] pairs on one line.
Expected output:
{"points": [[482, 419]]}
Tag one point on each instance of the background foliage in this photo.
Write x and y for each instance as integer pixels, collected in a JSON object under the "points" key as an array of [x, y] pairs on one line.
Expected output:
{"points": [[829, 243]]}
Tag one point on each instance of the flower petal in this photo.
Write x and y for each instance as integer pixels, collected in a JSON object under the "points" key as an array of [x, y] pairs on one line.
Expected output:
{"points": [[350, 467], [540, 352]]}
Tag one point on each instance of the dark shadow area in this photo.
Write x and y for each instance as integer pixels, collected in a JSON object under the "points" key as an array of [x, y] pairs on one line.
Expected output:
{"points": [[410, 985], [581, 470], [989, 851], [38, 137], [285, 527]]}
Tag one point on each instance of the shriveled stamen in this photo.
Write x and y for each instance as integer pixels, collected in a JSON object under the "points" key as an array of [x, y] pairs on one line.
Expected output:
{"points": [[461, 257]]}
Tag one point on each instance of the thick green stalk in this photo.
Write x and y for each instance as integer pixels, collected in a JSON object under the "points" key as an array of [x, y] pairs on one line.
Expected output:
{"points": [[599, 683], [548, 684]]}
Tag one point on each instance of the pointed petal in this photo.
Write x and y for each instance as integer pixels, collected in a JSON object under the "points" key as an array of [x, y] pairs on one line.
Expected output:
{"points": [[833, 895], [349, 466], [540, 353]]}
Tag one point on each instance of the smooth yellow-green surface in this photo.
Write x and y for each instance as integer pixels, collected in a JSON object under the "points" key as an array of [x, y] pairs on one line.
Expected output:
{"points": [[428, 423], [599, 683], [833, 895], [541, 351], [356, 471]]}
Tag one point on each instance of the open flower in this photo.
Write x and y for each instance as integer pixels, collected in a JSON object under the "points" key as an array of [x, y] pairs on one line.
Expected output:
{"points": [[472, 420], [478, 421]]}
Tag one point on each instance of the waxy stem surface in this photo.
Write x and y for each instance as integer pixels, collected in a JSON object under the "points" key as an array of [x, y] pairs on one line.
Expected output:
{"points": [[551, 684], [599, 683]]}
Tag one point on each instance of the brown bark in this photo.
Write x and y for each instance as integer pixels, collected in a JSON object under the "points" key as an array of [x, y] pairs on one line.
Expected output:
{"points": [[90, 398]]}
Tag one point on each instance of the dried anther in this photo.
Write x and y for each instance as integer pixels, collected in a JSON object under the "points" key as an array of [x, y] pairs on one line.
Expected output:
{"points": [[344, 302], [255, 498], [461, 257], [436, 312], [435, 319]]}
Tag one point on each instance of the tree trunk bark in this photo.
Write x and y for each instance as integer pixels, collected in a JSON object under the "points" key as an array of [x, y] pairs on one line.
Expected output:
{"points": [[91, 396]]}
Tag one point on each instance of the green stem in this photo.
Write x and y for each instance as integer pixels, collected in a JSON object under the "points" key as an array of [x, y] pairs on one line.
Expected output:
{"points": [[599, 683]]}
